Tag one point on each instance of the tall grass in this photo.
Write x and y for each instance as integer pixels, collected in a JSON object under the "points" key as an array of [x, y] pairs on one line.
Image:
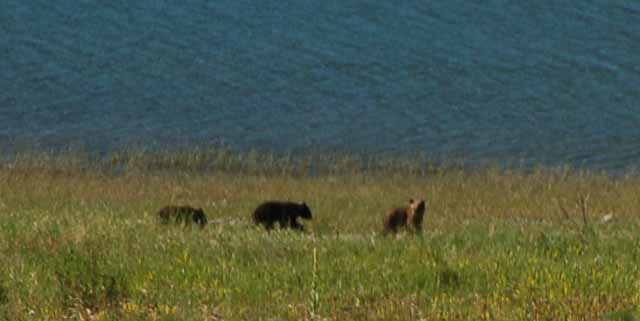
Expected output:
{"points": [[79, 240]]}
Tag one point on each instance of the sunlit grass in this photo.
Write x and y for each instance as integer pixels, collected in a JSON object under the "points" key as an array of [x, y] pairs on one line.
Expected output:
{"points": [[79, 240]]}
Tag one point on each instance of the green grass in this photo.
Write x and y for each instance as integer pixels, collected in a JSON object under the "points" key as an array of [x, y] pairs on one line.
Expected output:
{"points": [[79, 240]]}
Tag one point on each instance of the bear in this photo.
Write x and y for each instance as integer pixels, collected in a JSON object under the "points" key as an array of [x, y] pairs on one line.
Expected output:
{"points": [[180, 214], [405, 216], [285, 213]]}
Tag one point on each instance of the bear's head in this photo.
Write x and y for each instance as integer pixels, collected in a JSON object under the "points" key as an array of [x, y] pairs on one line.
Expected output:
{"points": [[416, 208], [305, 211], [200, 217]]}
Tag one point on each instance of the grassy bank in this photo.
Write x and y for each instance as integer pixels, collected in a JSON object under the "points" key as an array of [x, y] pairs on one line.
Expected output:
{"points": [[79, 240]]}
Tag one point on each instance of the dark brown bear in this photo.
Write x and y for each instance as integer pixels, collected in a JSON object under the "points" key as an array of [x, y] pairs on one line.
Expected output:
{"points": [[403, 216], [285, 213], [182, 214]]}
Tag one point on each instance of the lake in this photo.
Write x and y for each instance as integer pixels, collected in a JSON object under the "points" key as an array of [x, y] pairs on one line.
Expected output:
{"points": [[539, 82]]}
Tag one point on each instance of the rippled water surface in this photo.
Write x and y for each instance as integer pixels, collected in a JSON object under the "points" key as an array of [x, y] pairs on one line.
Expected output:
{"points": [[541, 81]]}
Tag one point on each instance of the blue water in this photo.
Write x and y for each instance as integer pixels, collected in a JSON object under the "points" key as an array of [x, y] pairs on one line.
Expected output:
{"points": [[549, 82]]}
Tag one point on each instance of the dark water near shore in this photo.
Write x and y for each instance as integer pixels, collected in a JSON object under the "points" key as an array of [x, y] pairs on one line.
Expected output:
{"points": [[550, 82]]}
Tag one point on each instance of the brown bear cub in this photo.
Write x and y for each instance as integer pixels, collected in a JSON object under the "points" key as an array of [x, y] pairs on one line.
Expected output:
{"points": [[285, 213], [404, 216], [182, 214]]}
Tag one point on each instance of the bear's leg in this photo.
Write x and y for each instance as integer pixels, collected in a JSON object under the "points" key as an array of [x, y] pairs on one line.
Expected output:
{"points": [[268, 225], [284, 222], [389, 228], [188, 219], [295, 225], [418, 228], [164, 218]]}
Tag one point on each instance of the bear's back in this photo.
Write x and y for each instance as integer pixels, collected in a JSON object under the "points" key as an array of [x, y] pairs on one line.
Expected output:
{"points": [[396, 217], [271, 210]]}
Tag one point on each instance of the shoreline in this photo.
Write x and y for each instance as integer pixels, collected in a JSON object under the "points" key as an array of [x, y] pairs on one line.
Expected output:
{"points": [[223, 159]]}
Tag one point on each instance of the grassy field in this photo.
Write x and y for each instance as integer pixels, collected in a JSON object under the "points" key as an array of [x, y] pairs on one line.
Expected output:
{"points": [[79, 240]]}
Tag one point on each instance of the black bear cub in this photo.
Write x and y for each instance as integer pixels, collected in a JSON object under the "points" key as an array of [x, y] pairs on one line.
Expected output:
{"points": [[182, 214], [285, 213]]}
